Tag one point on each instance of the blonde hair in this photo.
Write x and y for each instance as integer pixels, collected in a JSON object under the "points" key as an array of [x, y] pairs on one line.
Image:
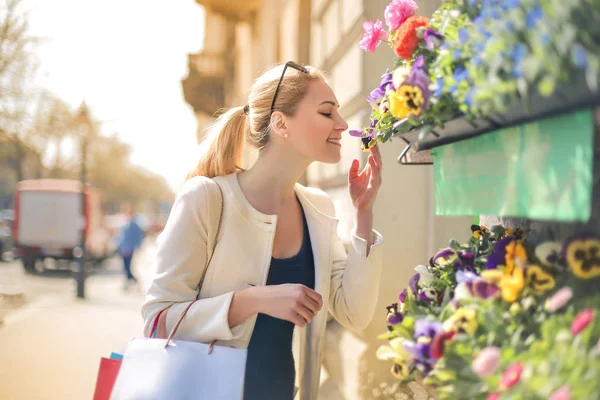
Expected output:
{"points": [[224, 144]]}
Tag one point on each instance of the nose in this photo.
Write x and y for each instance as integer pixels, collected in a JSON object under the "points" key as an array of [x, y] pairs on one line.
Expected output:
{"points": [[341, 124]]}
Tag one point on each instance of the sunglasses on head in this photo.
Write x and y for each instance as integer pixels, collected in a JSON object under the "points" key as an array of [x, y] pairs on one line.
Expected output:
{"points": [[290, 64]]}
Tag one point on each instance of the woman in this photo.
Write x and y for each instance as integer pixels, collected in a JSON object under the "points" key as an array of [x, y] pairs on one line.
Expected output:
{"points": [[278, 262]]}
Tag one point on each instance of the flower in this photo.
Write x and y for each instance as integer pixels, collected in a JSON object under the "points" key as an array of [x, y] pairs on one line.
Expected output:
{"points": [[562, 393], [432, 38], [438, 343], [579, 56], [549, 254], [511, 376], [412, 283], [406, 39], [464, 320], [374, 98], [483, 289], [493, 396], [582, 320], [373, 35], [498, 256], [517, 233], [479, 230], [398, 11], [399, 76], [426, 276], [395, 351], [539, 280], [512, 285], [514, 251], [426, 328], [559, 299], [533, 16], [466, 261], [412, 96], [394, 317], [428, 294], [583, 257], [402, 296], [486, 362], [462, 277], [443, 258]]}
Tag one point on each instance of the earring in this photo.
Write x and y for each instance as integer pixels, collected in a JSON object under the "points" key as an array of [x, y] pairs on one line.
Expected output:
{"points": [[285, 135]]}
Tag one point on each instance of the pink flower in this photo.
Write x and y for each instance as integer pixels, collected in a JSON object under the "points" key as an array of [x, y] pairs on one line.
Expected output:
{"points": [[561, 393], [511, 376], [373, 35], [398, 11], [582, 320], [493, 396], [559, 299], [486, 362]]}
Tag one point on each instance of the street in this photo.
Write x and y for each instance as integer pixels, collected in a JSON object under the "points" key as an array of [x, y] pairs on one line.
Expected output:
{"points": [[50, 341]]}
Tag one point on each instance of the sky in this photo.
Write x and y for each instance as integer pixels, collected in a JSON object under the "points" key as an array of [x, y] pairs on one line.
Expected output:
{"points": [[125, 59]]}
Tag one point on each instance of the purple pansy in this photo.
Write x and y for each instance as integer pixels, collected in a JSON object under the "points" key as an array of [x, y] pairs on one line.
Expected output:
{"points": [[465, 276], [482, 289], [498, 256], [394, 317], [402, 296], [432, 38], [428, 295], [412, 283], [445, 254], [466, 261], [427, 328], [419, 77]]}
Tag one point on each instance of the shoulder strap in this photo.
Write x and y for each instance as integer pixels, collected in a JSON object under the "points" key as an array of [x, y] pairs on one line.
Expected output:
{"points": [[214, 246], [174, 330]]}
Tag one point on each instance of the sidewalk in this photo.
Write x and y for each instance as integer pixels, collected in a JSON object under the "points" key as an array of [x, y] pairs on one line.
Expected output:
{"points": [[50, 349]]}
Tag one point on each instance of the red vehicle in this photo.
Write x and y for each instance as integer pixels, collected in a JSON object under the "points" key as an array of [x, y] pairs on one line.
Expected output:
{"points": [[48, 222]]}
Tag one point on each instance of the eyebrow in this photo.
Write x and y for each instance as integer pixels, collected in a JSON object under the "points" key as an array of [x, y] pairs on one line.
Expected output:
{"points": [[333, 103]]}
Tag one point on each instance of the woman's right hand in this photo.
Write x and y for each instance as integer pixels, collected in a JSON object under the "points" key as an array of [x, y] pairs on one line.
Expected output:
{"points": [[291, 302]]}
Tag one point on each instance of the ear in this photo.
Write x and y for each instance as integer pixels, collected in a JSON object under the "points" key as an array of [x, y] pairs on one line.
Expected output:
{"points": [[278, 124]]}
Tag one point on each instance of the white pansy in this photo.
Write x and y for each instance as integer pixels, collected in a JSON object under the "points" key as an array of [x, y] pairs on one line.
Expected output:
{"points": [[426, 276]]}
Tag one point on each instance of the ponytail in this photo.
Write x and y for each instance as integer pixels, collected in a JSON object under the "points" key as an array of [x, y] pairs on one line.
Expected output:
{"points": [[222, 149]]}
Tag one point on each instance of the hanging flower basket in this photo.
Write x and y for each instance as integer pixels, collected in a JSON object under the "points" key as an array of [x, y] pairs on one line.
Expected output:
{"points": [[480, 65]]}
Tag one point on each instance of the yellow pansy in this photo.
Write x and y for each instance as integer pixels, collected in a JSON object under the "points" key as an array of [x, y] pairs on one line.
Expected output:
{"points": [[515, 250], [492, 275], [583, 258], [512, 285], [463, 320], [539, 280], [407, 99]]}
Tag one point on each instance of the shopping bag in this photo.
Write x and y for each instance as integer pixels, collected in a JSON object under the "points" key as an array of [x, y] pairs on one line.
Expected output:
{"points": [[107, 375]]}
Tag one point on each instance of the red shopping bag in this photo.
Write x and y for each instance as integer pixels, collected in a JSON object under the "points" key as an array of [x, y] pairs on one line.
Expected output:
{"points": [[107, 375]]}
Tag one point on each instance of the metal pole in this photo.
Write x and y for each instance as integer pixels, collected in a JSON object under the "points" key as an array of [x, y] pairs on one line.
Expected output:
{"points": [[81, 253]]}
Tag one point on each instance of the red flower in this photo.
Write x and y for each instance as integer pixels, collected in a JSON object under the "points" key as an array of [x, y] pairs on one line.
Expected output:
{"points": [[582, 320], [406, 40], [511, 376], [437, 344], [493, 396]]}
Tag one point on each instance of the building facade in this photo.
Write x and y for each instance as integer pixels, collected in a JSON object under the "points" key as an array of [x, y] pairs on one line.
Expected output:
{"points": [[245, 37]]}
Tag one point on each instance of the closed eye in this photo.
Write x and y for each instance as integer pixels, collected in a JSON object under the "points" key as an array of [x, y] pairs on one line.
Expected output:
{"points": [[328, 115]]}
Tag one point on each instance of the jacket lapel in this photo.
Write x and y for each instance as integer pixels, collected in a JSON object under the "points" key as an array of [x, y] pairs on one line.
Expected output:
{"points": [[321, 228]]}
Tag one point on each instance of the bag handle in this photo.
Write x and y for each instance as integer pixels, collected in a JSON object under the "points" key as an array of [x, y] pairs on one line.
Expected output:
{"points": [[174, 330]]}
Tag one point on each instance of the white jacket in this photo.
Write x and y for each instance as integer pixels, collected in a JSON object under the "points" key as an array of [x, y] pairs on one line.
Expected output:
{"points": [[349, 284]]}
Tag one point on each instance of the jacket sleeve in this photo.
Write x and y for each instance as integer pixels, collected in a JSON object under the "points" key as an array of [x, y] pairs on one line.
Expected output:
{"points": [[355, 280], [180, 262]]}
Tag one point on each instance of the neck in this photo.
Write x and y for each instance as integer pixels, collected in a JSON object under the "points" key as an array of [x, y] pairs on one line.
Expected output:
{"points": [[269, 183]]}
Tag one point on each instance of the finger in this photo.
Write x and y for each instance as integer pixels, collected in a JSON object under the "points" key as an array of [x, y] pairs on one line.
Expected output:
{"points": [[304, 312], [374, 178], [377, 154], [353, 171], [297, 319], [316, 297]]}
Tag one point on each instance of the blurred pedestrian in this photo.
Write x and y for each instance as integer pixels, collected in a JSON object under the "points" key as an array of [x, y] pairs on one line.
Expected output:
{"points": [[128, 241], [278, 263]]}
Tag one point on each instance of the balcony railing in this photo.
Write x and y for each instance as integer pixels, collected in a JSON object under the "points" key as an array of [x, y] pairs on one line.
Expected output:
{"points": [[231, 9]]}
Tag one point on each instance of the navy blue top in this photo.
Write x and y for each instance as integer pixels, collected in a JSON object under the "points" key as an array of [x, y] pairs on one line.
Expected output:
{"points": [[270, 371]]}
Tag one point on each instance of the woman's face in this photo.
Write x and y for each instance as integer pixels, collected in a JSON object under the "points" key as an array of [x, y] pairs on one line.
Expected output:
{"points": [[316, 129]]}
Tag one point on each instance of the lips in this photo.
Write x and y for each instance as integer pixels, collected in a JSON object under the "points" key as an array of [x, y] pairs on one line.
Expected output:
{"points": [[334, 140]]}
